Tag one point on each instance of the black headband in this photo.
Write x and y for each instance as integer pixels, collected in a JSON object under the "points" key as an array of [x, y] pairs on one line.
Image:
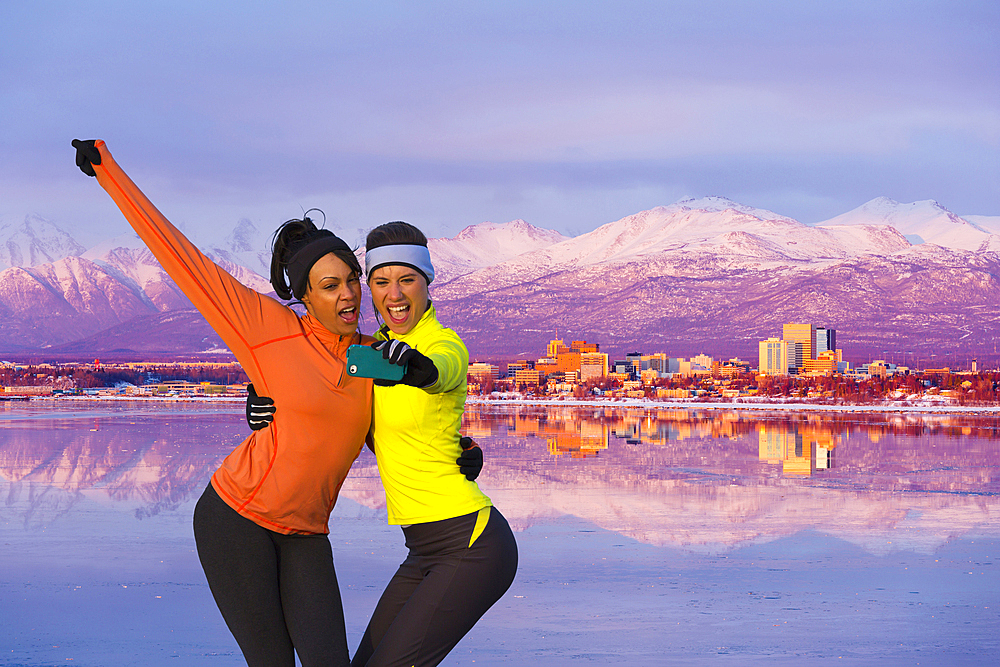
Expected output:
{"points": [[322, 243]]}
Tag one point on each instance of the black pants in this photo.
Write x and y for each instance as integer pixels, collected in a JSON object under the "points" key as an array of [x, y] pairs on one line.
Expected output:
{"points": [[278, 593], [439, 592]]}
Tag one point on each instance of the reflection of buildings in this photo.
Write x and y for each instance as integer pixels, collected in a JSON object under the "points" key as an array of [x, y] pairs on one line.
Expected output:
{"points": [[703, 486], [572, 432], [800, 449], [578, 438], [584, 432], [588, 441]]}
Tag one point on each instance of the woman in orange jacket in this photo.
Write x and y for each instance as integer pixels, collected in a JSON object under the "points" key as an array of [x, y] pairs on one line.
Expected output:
{"points": [[261, 525]]}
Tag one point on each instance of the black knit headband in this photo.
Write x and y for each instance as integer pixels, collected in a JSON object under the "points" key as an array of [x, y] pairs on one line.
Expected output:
{"points": [[322, 243]]}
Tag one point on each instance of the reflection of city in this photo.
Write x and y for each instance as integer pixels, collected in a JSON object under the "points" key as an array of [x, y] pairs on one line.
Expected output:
{"points": [[699, 479], [715, 478], [799, 451], [582, 433], [798, 443]]}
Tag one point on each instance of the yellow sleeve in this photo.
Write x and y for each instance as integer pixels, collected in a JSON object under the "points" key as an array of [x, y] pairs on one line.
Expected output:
{"points": [[452, 361]]}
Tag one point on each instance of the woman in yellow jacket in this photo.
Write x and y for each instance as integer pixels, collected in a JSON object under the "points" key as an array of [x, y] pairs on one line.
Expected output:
{"points": [[462, 554]]}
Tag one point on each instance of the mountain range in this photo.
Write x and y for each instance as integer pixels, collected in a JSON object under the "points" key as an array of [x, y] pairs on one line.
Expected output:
{"points": [[913, 282]]}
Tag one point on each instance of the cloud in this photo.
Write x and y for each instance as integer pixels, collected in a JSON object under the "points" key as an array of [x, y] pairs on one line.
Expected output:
{"points": [[554, 105]]}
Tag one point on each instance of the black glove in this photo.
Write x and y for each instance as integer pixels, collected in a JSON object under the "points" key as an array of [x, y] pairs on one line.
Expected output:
{"points": [[420, 370], [470, 463], [87, 155], [260, 409]]}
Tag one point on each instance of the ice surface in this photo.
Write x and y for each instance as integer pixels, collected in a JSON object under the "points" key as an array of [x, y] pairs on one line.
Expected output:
{"points": [[645, 537]]}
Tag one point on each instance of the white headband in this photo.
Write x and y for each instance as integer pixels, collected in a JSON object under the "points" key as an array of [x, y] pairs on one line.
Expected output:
{"points": [[415, 256]]}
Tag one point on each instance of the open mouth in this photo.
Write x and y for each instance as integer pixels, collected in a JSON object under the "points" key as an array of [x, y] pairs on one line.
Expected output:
{"points": [[398, 314], [349, 314]]}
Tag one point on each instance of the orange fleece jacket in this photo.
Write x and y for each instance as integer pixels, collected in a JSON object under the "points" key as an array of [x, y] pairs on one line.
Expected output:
{"points": [[285, 477]]}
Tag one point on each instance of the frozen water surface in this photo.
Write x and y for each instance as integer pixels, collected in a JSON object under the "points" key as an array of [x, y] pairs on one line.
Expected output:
{"points": [[647, 537]]}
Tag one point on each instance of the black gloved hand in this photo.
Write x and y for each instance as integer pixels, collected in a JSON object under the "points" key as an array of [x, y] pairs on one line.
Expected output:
{"points": [[470, 463], [87, 155], [260, 409], [420, 370]]}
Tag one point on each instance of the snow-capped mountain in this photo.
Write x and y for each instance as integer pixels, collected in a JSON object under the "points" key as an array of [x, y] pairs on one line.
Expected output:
{"points": [[699, 275], [712, 229], [54, 303], [709, 275], [922, 222], [487, 244], [245, 246], [987, 223], [35, 241]]}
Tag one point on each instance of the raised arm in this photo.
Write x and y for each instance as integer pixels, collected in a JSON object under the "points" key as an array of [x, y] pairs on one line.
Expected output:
{"points": [[234, 311]]}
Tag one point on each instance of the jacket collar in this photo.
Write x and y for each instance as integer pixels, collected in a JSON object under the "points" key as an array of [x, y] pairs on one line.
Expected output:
{"points": [[330, 340]]}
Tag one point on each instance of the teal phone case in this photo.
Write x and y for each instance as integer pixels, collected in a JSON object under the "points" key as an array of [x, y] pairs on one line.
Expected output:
{"points": [[366, 362]]}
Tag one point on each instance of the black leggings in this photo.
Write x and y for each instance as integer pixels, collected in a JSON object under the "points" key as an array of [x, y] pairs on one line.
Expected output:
{"points": [[439, 592], [278, 593]]}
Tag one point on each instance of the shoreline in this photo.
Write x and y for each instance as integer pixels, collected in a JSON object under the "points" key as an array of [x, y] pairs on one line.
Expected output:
{"points": [[633, 403], [760, 406]]}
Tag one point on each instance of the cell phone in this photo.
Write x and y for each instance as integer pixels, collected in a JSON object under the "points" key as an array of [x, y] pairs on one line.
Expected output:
{"points": [[367, 362]]}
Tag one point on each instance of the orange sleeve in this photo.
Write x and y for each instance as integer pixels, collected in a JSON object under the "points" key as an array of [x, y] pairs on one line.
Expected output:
{"points": [[236, 312]]}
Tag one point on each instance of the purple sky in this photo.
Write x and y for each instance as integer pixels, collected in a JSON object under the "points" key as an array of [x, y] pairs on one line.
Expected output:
{"points": [[565, 114]]}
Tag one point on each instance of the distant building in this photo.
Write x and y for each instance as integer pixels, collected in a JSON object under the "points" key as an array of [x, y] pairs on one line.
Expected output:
{"points": [[702, 360], [562, 358], [555, 347], [526, 376], [593, 365], [515, 366], [826, 341], [773, 357], [483, 371], [690, 368], [804, 336], [733, 367], [824, 364], [657, 362]]}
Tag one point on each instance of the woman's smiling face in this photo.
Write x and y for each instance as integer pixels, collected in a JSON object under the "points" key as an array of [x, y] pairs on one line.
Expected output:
{"points": [[334, 295], [400, 296]]}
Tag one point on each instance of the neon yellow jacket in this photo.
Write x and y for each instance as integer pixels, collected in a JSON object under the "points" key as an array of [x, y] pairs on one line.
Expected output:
{"points": [[416, 433]]}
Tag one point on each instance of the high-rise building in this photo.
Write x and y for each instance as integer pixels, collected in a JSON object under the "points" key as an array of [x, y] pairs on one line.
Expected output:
{"points": [[555, 347], [801, 333], [515, 366], [593, 365], [797, 358], [526, 376], [773, 357], [826, 341], [825, 363], [635, 360], [567, 359], [702, 360], [656, 361]]}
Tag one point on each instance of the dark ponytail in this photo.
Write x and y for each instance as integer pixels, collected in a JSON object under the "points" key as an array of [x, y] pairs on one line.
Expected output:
{"points": [[290, 238]]}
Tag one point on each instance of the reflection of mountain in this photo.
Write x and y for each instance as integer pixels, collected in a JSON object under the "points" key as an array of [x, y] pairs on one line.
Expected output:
{"points": [[49, 466], [705, 478], [699, 479]]}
